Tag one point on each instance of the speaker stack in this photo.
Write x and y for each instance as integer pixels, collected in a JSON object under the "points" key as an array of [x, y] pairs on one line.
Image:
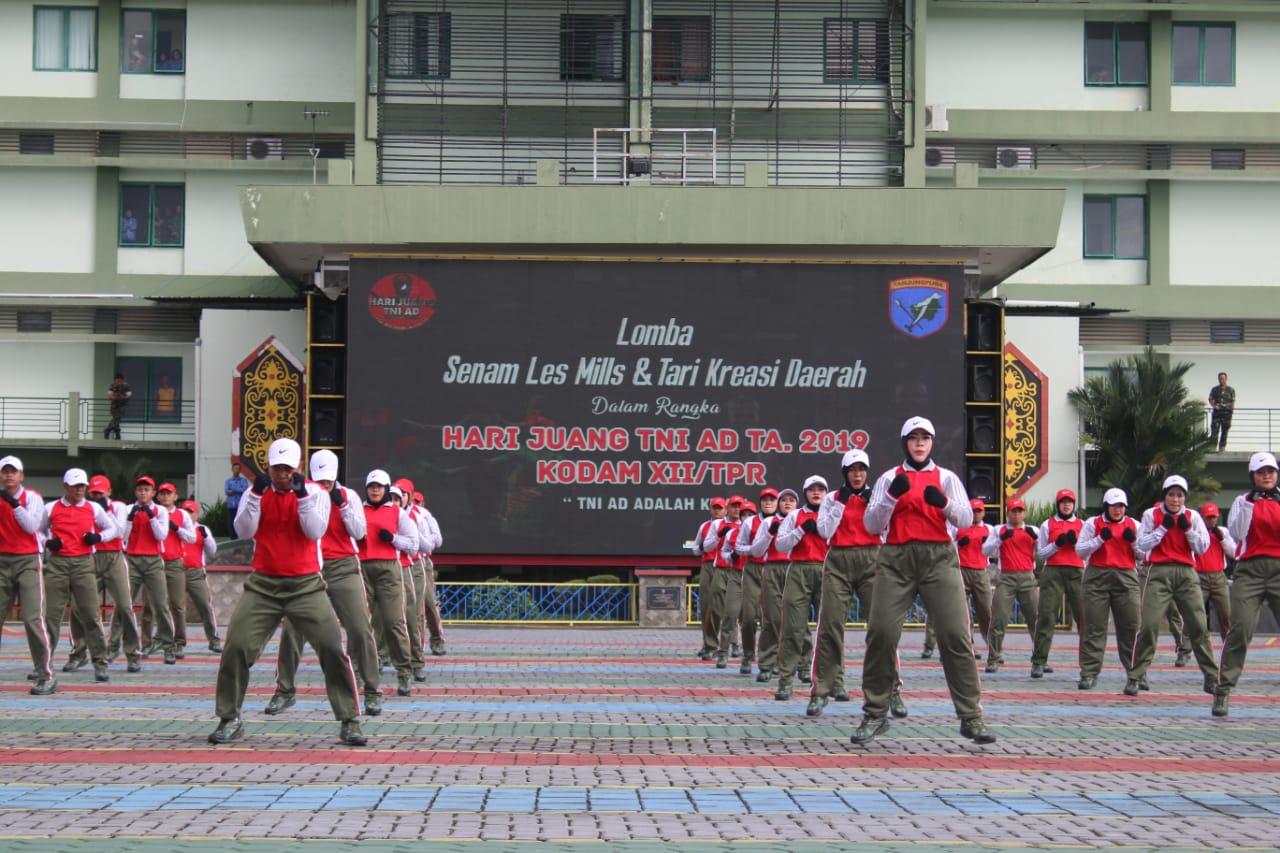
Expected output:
{"points": [[984, 403], [326, 373]]}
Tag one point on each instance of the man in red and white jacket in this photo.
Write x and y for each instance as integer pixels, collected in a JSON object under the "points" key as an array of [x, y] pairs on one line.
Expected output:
{"points": [[388, 531], [113, 580], [146, 529], [1059, 579], [286, 517], [707, 578], [194, 556], [21, 571], [752, 577], [71, 529], [1013, 544], [1172, 536], [182, 532], [1211, 567], [429, 540], [1109, 544]]}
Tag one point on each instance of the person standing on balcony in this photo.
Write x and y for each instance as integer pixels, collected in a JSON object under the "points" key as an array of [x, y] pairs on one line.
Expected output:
{"points": [[345, 587], [21, 572], [118, 395], [427, 546], [234, 488], [1222, 399], [388, 530], [915, 505], [71, 528], [286, 517]]}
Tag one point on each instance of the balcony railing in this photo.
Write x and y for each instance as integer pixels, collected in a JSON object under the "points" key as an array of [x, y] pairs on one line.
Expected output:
{"points": [[1251, 429], [76, 418]]}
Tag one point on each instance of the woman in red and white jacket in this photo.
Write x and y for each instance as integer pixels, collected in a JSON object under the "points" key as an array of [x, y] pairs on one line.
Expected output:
{"points": [[1109, 545], [1211, 568], [1013, 544]]}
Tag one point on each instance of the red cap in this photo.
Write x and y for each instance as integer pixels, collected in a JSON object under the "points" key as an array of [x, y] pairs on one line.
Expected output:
{"points": [[1210, 511], [168, 487], [417, 496], [191, 506], [736, 499], [768, 493], [977, 505], [749, 506], [1015, 503], [1065, 495], [99, 483], [717, 501], [405, 485], [144, 479]]}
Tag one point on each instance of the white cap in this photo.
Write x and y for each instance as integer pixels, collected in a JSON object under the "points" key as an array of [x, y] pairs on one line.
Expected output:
{"points": [[814, 479], [913, 424], [377, 475], [11, 460], [855, 456], [1257, 461], [284, 451], [324, 465], [1115, 496], [75, 477], [1175, 480], [397, 491]]}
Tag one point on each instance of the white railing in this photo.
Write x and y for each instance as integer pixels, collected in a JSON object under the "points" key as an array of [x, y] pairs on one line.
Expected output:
{"points": [[650, 163]]}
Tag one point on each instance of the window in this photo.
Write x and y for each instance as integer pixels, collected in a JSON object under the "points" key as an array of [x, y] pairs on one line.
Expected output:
{"points": [[1115, 226], [855, 51], [418, 45], [1204, 54], [155, 42], [1115, 54], [156, 383], [592, 47], [1226, 331], [1226, 158], [35, 321], [66, 39], [681, 49], [151, 214], [35, 143]]}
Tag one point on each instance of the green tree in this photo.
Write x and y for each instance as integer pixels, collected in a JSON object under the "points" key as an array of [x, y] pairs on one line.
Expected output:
{"points": [[1144, 427]]}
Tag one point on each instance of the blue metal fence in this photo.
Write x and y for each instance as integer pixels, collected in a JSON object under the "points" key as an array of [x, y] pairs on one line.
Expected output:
{"points": [[571, 603]]}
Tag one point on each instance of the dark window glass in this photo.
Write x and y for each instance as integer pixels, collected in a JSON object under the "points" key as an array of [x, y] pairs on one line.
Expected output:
{"points": [[1098, 228]]}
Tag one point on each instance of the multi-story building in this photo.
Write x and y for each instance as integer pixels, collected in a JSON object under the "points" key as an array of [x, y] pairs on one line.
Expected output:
{"points": [[1074, 158]]}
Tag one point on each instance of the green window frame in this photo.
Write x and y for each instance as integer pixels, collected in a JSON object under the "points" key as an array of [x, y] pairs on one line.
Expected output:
{"points": [[149, 39], [419, 45], [681, 49], [1117, 54], [1204, 54], [152, 215], [146, 376], [593, 48], [855, 50], [52, 51], [1115, 226]]}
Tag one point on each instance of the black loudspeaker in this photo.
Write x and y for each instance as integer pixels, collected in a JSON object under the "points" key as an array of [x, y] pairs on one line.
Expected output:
{"points": [[982, 433], [326, 423], [328, 370], [328, 320], [981, 483], [984, 328], [982, 383]]}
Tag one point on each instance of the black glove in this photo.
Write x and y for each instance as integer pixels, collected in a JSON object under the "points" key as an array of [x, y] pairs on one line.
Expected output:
{"points": [[1106, 534], [1217, 532], [962, 541], [91, 538], [338, 495], [105, 503], [1063, 540], [1074, 537], [1129, 535], [260, 484], [846, 492], [208, 534], [1167, 522], [173, 528], [55, 544], [774, 525], [900, 486], [1006, 534], [149, 510], [1031, 531], [134, 511], [933, 496], [1184, 522], [386, 536], [8, 498], [809, 526], [298, 484]]}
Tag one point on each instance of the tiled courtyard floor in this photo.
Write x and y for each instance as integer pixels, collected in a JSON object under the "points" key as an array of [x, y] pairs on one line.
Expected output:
{"points": [[588, 739]]}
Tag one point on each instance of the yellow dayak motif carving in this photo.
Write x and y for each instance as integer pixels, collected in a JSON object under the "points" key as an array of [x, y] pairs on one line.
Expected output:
{"points": [[1023, 444], [271, 405]]}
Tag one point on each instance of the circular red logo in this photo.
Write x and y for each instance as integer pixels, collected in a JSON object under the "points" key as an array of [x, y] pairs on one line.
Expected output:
{"points": [[402, 301]]}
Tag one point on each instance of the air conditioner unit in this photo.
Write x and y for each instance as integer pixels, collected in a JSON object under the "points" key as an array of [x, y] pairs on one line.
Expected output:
{"points": [[935, 117], [263, 148], [1015, 157], [936, 156]]}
